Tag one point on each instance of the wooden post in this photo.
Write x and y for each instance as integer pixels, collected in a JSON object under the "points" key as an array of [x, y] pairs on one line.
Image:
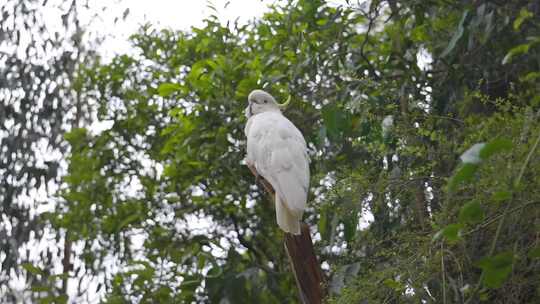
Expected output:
{"points": [[304, 263]]}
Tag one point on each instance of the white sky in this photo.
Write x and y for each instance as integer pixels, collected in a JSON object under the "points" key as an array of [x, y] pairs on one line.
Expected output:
{"points": [[173, 14]]}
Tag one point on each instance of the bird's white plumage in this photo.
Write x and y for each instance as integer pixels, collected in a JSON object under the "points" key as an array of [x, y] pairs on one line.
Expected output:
{"points": [[278, 151]]}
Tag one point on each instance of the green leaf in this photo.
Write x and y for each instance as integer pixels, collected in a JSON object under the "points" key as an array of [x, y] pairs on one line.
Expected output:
{"points": [[167, 89], [420, 33], [496, 269], [324, 224], [214, 272], [321, 137], [331, 116], [534, 253], [61, 299], [350, 223], [495, 146], [76, 136], [244, 87], [472, 159], [48, 299], [457, 35], [530, 77], [128, 220], [483, 295], [197, 70], [336, 121], [201, 260], [31, 268], [450, 233], [463, 174], [471, 212], [500, 196], [40, 288], [395, 285], [524, 14], [516, 51], [322, 21], [190, 283]]}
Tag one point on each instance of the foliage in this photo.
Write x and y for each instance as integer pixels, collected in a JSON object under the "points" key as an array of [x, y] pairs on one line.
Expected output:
{"points": [[40, 100], [37, 67], [165, 197]]}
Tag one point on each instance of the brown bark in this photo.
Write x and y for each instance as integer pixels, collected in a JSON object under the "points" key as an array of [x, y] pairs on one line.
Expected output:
{"points": [[66, 263], [306, 269]]}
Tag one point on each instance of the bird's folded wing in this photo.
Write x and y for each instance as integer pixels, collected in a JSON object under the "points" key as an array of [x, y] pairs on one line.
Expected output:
{"points": [[280, 156]]}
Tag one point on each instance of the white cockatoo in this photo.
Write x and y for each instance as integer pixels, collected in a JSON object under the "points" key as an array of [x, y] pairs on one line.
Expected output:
{"points": [[277, 149]]}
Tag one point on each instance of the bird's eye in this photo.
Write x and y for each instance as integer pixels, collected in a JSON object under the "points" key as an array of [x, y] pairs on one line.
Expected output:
{"points": [[265, 101]]}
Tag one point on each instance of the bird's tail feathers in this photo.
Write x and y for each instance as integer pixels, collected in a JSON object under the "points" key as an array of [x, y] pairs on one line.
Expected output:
{"points": [[286, 220]]}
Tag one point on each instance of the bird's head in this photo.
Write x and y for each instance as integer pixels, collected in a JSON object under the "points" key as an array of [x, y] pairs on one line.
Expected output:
{"points": [[260, 101]]}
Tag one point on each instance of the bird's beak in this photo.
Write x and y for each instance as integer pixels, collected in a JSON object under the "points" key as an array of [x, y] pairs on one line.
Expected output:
{"points": [[248, 111], [284, 105]]}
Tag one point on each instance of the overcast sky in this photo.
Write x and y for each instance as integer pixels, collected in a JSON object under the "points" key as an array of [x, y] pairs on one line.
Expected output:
{"points": [[174, 14]]}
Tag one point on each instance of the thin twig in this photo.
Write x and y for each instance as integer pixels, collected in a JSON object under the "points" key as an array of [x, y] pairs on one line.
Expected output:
{"points": [[443, 274], [527, 160], [366, 39], [449, 118], [495, 218]]}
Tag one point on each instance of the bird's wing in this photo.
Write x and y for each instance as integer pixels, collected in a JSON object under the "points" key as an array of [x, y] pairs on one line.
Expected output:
{"points": [[278, 150]]}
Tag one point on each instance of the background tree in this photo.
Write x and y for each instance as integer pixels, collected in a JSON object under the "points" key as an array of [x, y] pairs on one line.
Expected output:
{"points": [[40, 102]]}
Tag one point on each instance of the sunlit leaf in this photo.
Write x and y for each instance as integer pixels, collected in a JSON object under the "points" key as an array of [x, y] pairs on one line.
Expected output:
{"points": [[532, 76], [128, 220], [524, 14], [496, 146], [395, 285], [31, 268], [516, 51], [167, 89]]}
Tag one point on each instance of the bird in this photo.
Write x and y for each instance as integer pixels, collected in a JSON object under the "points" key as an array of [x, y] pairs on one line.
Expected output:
{"points": [[278, 151]]}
